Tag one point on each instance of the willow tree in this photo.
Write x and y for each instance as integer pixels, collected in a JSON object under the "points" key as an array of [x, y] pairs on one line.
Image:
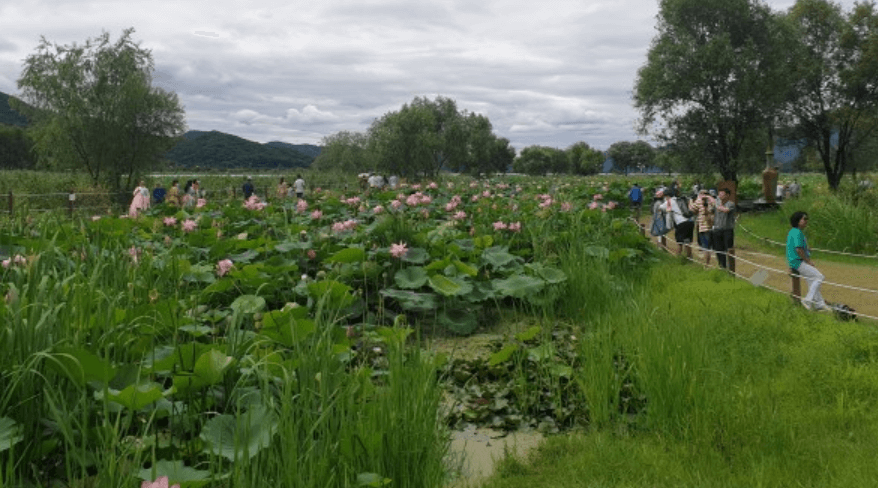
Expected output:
{"points": [[94, 108]]}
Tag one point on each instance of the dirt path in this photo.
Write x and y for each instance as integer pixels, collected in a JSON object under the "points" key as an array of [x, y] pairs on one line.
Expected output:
{"points": [[773, 263]]}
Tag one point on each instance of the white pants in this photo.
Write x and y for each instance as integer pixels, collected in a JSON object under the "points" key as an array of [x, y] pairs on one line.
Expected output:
{"points": [[814, 278]]}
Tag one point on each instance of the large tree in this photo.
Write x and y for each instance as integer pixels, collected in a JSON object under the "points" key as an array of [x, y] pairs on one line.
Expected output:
{"points": [[345, 151], [714, 74], [583, 159], [540, 160], [835, 81], [426, 136], [94, 108], [631, 156]]}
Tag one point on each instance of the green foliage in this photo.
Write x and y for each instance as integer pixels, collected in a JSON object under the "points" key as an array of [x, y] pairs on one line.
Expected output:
{"points": [[94, 108], [8, 115], [540, 160], [632, 156], [16, 148]]}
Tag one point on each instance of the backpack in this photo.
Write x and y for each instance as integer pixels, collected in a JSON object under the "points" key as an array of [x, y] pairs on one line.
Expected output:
{"points": [[683, 203], [636, 194]]}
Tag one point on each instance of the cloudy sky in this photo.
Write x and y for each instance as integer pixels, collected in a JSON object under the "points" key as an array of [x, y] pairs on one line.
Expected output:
{"points": [[550, 72]]}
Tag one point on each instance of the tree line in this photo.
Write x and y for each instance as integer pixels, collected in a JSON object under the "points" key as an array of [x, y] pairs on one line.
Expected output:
{"points": [[724, 79]]}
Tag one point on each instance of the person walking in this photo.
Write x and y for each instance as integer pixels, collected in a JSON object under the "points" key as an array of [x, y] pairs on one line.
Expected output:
{"points": [[174, 194], [158, 194], [723, 236], [140, 200], [282, 188], [799, 259], [635, 195]]}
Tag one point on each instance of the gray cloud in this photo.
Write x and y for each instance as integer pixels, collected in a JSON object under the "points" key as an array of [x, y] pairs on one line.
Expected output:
{"points": [[550, 73]]}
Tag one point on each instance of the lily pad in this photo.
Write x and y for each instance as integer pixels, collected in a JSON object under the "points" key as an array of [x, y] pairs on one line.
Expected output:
{"points": [[411, 278], [242, 436]]}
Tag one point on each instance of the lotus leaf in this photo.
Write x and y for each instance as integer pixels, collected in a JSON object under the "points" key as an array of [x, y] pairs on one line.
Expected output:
{"points": [[212, 365], [444, 286], [336, 295], [498, 257], [410, 278], [460, 321], [177, 473], [416, 255], [409, 300], [82, 366], [348, 255], [137, 396], [519, 286], [248, 304], [241, 436], [529, 334]]}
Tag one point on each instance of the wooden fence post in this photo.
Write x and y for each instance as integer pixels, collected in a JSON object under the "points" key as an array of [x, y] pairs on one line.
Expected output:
{"points": [[70, 199], [797, 285], [731, 259], [10, 203]]}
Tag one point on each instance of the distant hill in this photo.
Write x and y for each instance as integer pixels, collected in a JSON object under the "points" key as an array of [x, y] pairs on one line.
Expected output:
{"points": [[9, 116], [219, 150], [306, 149]]}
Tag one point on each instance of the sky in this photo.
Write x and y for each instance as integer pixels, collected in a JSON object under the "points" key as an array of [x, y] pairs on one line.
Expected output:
{"points": [[550, 72]]}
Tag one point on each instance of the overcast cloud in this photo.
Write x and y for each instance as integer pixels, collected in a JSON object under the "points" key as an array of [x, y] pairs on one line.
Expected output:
{"points": [[552, 72]]}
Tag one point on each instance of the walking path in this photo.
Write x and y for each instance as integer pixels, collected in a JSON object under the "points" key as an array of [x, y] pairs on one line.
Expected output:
{"points": [[854, 285]]}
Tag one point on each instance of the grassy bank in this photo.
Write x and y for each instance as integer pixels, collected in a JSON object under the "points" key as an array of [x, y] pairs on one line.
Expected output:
{"points": [[739, 389]]}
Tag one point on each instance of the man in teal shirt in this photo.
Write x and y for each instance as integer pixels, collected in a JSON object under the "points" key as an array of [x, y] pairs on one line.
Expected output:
{"points": [[799, 259]]}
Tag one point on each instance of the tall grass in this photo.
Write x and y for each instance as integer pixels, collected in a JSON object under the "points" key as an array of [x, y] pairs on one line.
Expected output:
{"points": [[740, 389]]}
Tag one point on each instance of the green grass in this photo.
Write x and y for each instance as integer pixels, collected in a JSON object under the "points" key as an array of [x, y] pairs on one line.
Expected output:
{"points": [[740, 388]]}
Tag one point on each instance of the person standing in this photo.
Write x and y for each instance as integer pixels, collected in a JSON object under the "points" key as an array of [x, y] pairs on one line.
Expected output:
{"points": [[248, 187], [799, 259], [703, 207], [158, 194], [282, 188], [723, 227], [635, 194], [683, 226], [139, 200], [174, 193], [299, 186]]}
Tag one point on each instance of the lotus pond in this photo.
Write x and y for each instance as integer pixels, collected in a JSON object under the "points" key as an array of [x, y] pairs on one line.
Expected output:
{"points": [[283, 344]]}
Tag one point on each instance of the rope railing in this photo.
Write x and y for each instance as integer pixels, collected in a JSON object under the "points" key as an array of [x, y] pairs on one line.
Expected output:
{"points": [[783, 244], [661, 242]]}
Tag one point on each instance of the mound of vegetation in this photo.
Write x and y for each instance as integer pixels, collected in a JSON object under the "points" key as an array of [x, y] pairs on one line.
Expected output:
{"points": [[219, 150]]}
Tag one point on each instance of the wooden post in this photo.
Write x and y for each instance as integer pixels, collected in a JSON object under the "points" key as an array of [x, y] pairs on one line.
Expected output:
{"points": [[664, 241], [10, 203], [797, 285], [70, 199], [642, 229], [731, 260]]}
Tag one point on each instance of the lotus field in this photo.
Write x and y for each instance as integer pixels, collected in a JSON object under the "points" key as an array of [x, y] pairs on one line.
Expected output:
{"points": [[278, 344]]}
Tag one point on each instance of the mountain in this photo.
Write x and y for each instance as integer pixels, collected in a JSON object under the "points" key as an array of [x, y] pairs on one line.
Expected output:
{"points": [[9, 116], [306, 149], [219, 150]]}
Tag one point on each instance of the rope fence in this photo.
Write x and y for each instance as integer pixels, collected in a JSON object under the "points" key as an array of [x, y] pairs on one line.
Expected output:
{"points": [[783, 244], [732, 258]]}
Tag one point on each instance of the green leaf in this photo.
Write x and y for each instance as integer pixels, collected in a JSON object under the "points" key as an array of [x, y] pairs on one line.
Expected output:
{"points": [[528, 334], [541, 352], [242, 436], [135, 397], [551, 275], [248, 304], [288, 326], [10, 433], [464, 268], [498, 257], [372, 480], [502, 355], [416, 255], [597, 252], [444, 286], [176, 472], [410, 278], [82, 366], [519, 286], [212, 365], [348, 255], [336, 295], [409, 300]]}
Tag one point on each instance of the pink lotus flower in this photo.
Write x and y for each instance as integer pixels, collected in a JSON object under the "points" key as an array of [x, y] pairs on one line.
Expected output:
{"points": [[160, 482], [253, 203], [459, 215], [312, 254], [170, 221], [398, 250], [301, 206], [189, 225], [432, 185], [200, 203], [134, 253], [316, 215], [224, 267], [396, 204], [598, 196], [593, 205], [6, 263], [499, 225], [546, 203], [450, 206], [612, 205], [95, 218], [416, 186], [378, 209], [515, 226]]}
